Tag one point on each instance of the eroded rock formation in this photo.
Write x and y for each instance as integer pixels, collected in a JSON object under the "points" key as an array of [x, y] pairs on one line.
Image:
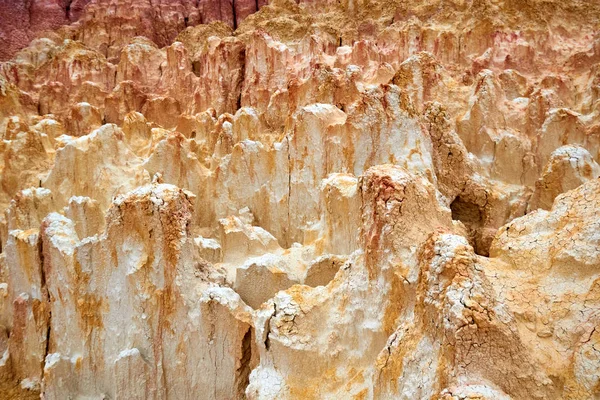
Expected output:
{"points": [[320, 199]]}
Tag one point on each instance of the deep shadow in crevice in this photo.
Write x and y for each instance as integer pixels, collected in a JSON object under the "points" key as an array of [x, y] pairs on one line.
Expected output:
{"points": [[471, 215], [242, 374]]}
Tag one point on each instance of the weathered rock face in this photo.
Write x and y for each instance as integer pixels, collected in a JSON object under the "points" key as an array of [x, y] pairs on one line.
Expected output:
{"points": [[108, 24], [319, 199]]}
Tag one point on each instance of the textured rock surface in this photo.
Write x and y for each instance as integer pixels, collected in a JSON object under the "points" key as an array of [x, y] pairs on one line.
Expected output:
{"points": [[320, 199], [109, 24]]}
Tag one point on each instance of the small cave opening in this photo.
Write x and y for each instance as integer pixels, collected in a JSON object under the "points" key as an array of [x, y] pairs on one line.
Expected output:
{"points": [[196, 68], [472, 217], [466, 212]]}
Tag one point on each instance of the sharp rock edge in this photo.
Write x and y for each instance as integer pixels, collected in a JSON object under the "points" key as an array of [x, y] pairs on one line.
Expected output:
{"points": [[209, 199]]}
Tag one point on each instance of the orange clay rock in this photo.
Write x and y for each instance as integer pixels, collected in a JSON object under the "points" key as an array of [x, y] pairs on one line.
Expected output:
{"points": [[306, 199]]}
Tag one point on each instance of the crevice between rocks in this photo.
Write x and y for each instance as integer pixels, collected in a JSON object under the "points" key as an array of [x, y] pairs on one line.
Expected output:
{"points": [[471, 215], [68, 10], [46, 300], [242, 374], [267, 342], [234, 15]]}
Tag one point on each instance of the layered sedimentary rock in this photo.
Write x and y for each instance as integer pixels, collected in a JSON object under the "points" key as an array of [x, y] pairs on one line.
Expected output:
{"points": [[300, 200], [109, 24]]}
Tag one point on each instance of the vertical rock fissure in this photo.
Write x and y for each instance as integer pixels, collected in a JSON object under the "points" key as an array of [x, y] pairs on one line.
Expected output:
{"points": [[267, 342], [242, 374], [45, 301], [242, 75], [68, 10], [289, 190], [234, 15]]}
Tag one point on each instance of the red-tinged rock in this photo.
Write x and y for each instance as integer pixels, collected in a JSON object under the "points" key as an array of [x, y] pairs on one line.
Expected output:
{"points": [[308, 199]]}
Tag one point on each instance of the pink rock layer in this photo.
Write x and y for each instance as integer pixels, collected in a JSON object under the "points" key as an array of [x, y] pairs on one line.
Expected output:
{"points": [[23, 21]]}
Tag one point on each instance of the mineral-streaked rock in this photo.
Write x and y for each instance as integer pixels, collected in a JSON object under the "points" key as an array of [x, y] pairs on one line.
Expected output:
{"points": [[320, 199]]}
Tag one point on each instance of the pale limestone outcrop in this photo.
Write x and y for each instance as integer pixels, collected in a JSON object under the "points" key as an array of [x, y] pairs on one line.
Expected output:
{"points": [[303, 323], [28, 317], [320, 199], [97, 165], [146, 240], [342, 203], [25, 164], [87, 216], [240, 240], [568, 167], [480, 306], [260, 278], [209, 249], [323, 269], [564, 244]]}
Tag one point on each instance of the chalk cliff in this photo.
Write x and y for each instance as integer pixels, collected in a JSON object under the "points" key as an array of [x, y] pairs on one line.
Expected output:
{"points": [[356, 199]]}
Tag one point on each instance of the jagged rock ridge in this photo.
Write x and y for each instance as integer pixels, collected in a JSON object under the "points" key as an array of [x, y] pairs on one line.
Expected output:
{"points": [[323, 199]]}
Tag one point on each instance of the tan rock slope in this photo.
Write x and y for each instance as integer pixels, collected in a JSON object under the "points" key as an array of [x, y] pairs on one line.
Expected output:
{"points": [[320, 200]]}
